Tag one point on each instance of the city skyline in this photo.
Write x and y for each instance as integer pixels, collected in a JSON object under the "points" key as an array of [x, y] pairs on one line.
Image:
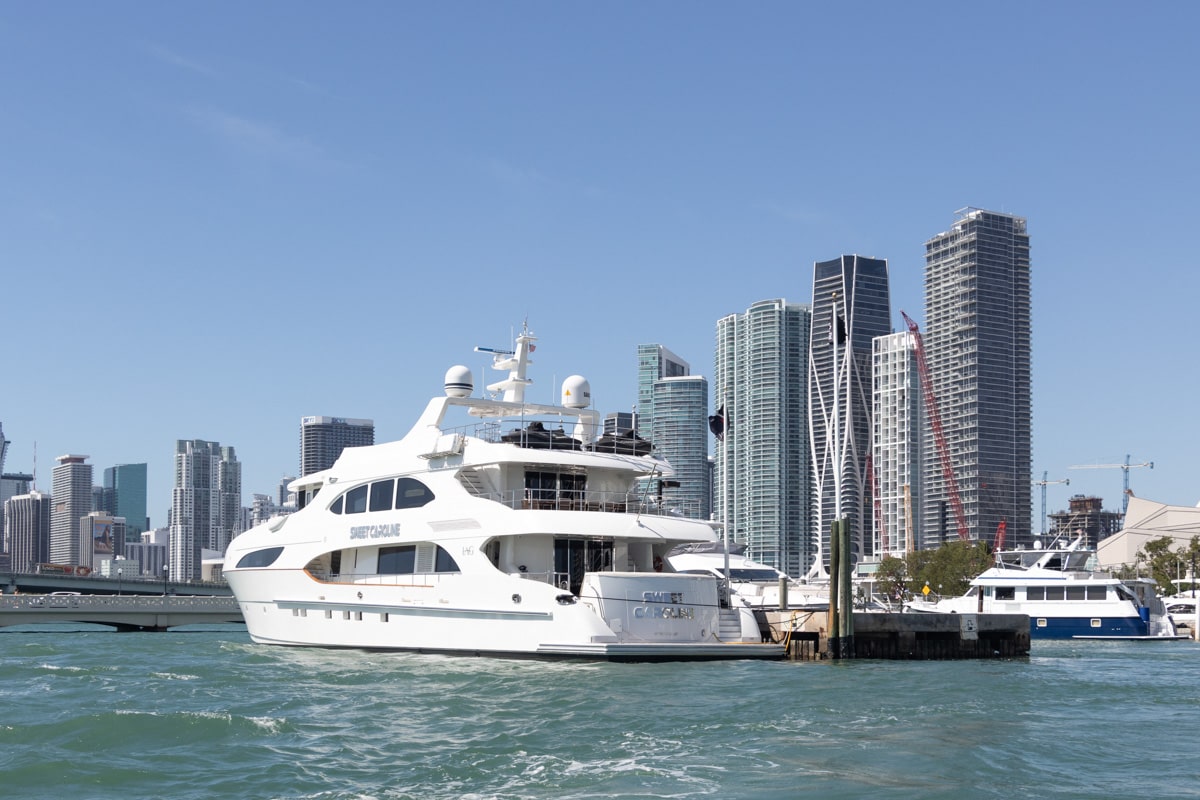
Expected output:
{"points": [[422, 186]]}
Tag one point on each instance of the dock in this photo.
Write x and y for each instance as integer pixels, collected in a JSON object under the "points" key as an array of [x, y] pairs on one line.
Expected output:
{"points": [[901, 636], [123, 612]]}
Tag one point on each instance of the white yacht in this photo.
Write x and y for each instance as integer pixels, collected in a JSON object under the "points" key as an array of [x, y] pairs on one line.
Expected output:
{"points": [[522, 534], [1063, 597], [751, 583]]}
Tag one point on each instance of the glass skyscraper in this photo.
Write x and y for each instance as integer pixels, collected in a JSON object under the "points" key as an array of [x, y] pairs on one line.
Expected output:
{"points": [[851, 306], [977, 344], [125, 496], [762, 478], [672, 413]]}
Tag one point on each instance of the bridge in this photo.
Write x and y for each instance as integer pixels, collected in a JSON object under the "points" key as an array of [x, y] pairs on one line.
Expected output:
{"points": [[123, 612], [46, 583]]}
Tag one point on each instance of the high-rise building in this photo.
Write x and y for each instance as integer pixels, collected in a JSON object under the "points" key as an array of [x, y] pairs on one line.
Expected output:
{"points": [[106, 535], [680, 435], [125, 496], [896, 451], [654, 363], [851, 306], [205, 504], [762, 480], [322, 440], [27, 530], [71, 490], [619, 422], [977, 345], [672, 413]]}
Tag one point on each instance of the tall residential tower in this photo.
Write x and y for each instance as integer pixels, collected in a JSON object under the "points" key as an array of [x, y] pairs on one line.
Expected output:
{"points": [[977, 344], [851, 306], [763, 478], [205, 504], [322, 440]]}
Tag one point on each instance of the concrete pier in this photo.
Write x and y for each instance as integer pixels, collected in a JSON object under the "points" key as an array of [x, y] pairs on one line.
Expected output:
{"points": [[902, 636]]}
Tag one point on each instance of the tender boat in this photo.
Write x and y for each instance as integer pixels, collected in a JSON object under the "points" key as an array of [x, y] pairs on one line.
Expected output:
{"points": [[1063, 597], [507, 536]]}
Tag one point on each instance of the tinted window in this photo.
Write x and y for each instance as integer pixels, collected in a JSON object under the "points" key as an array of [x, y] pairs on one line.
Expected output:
{"points": [[260, 558], [412, 493], [381, 495], [445, 562], [356, 500], [337, 506], [397, 560]]}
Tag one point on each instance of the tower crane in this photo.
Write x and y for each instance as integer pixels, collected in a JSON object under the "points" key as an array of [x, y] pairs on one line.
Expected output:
{"points": [[935, 422], [1125, 467], [1044, 483]]}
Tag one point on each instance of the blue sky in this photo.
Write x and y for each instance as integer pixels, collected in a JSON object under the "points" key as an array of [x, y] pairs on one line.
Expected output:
{"points": [[216, 218]]}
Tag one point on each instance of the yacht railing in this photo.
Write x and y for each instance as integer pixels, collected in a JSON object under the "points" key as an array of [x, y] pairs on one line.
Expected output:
{"points": [[587, 500]]}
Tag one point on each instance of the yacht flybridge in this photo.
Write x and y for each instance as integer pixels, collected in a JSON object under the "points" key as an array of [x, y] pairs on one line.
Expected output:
{"points": [[523, 532]]}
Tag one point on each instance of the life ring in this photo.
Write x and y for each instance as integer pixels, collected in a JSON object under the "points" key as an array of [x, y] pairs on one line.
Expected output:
{"points": [[658, 564]]}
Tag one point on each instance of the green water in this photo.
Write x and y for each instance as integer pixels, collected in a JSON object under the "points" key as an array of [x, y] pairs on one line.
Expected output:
{"points": [[210, 715]]}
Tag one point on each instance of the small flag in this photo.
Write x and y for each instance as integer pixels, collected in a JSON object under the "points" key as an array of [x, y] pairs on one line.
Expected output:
{"points": [[719, 423], [837, 329]]}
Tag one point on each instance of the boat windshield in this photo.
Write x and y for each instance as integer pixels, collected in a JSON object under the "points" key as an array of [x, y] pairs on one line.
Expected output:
{"points": [[753, 575]]}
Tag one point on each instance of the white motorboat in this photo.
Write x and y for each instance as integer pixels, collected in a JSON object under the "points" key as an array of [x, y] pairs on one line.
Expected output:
{"points": [[1182, 608], [1062, 596], [514, 535], [751, 583]]}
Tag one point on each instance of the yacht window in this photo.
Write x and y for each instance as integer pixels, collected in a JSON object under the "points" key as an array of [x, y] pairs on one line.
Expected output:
{"points": [[260, 558], [402, 560], [356, 500], [1076, 592], [1006, 593], [1055, 592], [753, 575], [336, 507], [1097, 592], [381, 495], [397, 560], [1035, 592], [445, 562], [412, 493]]}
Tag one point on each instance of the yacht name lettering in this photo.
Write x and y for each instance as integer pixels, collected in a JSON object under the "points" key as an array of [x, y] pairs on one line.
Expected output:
{"points": [[374, 531], [664, 612], [662, 597], [657, 607]]}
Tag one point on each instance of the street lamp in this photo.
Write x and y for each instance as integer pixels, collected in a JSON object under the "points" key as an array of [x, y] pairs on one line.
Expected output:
{"points": [[120, 571]]}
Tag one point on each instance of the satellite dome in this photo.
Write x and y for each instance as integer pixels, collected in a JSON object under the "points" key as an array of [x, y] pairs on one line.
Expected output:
{"points": [[576, 392], [459, 382]]}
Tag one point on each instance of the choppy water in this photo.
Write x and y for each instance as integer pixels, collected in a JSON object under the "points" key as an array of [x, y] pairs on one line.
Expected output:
{"points": [[209, 714]]}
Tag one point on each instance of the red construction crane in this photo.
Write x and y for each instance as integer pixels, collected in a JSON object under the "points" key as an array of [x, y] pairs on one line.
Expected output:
{"points": [[935, 421], [998, 545]]}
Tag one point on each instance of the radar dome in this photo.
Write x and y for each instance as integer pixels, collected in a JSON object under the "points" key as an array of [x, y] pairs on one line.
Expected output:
{"points": [[576, 392], [459, 382]]}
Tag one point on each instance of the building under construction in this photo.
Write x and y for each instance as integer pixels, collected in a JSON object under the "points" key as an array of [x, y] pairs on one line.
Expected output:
{"points": [[1085, 518]]}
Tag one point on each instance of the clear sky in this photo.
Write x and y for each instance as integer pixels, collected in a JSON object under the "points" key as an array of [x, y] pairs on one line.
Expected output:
{"points": [[216, 218]]}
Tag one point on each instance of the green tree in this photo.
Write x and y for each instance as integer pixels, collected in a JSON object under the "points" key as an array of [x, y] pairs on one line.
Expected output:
{"points": [[1166, 565], [889, 578], [949, 569]]}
